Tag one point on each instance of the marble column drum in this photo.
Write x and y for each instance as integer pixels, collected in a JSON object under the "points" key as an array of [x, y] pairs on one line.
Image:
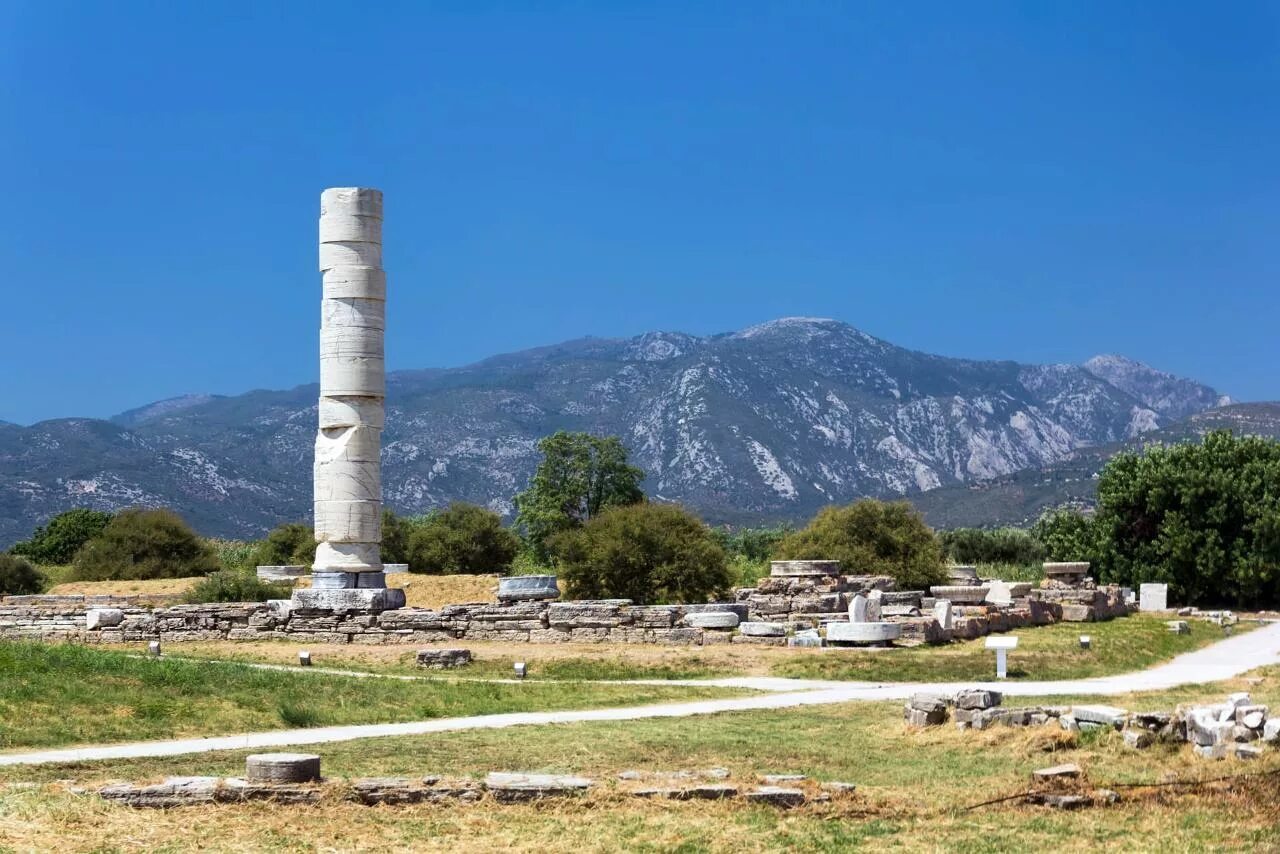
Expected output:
{"points": [[348, 475]]}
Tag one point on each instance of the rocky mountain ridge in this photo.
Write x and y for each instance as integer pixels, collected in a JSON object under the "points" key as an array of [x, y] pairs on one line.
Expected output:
{"points": [[768, 422]]}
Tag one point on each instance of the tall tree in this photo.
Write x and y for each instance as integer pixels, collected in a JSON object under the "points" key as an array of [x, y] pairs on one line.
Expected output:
{"points": [[580, 475]]}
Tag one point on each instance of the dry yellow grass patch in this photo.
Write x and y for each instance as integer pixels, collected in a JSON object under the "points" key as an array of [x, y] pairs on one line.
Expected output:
{"points": [[156, 586]]}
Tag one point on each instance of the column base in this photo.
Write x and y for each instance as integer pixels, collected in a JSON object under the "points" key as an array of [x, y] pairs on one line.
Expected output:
{"points": [[349, 599]]}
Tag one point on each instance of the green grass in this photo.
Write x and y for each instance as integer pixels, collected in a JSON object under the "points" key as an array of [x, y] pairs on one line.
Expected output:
{"points": [[1043, 653], [60, 695], [913, 786]]}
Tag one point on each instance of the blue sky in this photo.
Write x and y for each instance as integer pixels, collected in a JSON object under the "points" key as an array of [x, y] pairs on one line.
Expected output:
{"points": [[1037, 181]]}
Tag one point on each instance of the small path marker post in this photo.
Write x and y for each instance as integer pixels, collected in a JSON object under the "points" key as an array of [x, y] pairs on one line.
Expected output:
{"points": [[1002, 645]]}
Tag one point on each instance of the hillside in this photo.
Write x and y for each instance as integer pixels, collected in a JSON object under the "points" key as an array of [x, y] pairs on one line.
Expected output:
{"points": [[769, 422]]}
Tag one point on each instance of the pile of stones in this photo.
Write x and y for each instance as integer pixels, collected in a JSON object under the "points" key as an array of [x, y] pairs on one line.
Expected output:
{"points": [[1235, 727]]}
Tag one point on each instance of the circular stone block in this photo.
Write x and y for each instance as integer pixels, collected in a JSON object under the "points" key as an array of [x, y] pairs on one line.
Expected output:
{"points": [[712, 620], [763, 630], [519, 588], [282, 768], [1072, 568], [803, 568], [962, 594], [863, 632]]}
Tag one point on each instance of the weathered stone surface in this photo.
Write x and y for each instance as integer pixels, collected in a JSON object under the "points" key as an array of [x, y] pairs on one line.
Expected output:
{"points": [[1252, 716], [101, 618], [863, 633], [1210, 751], [923, 717], [271, 768], [977, 698], [349, 600], [960, 594], [1247, 751], [441, 659], [1179, 627], [509, 787], [1105, 715], [794, 568], [759, 629], [1153, 597], [805, 638], [519, 588], [1056, 772], [1138, 738], [777, 796], [712, 620]]}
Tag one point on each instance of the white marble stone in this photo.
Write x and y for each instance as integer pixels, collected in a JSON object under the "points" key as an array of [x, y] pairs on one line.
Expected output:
{"points": [[1153, 597], [347, 467], [875, 605], [858, 608], [942, 613], [712, 620], [101, 618], [863, 632]]}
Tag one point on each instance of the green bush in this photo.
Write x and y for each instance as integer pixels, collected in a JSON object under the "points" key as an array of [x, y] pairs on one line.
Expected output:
{"points": [[19, 577], [463, 538], [1000, 545], [395, 537], [1203, 517], [57, 541], [287, 544], [1068, 535], [233, 554], [649, 553], [756, 545], [143, 544], [871, 537], [236, 585]]}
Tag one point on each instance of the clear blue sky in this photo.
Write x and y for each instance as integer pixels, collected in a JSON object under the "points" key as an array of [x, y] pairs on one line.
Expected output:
{"points": [[1035, 181]]}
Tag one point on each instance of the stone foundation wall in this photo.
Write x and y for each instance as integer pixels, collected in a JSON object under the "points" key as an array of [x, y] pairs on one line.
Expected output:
{"points": [[611, 621]]}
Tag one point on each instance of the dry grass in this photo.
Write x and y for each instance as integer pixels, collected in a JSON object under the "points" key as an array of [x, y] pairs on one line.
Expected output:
{"points": [[422, 591], [913, 786]]}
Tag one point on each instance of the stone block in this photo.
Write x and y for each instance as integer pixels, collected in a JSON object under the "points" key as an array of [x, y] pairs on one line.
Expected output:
{"points": [[519, 588], [760, 629], [803, 568], [1252, 716], [349, 600], [1271, 730], [1210, 751], [441, 659], [977, 698], [1103, 715], [1153, 597], [1138, 738], [777, 796], [100, 618], [271, 768], [1247, 751], [712, 620], [863, 633], [514, 787], [1068, 771]]}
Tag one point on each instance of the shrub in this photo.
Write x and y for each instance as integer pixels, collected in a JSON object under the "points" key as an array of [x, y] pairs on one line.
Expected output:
{"points": [[395, 537], [236, 585], [233, 554], [1000, 545], [754, 544], [873, 538], [142, 544], [1203, 517], [57, 541], [463, 538], [1068, 535], [649, 553], [18, 576], [288, 544]]}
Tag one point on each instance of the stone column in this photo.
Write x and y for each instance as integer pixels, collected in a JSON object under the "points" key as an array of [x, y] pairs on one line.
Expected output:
{"points": [[348, 476]]}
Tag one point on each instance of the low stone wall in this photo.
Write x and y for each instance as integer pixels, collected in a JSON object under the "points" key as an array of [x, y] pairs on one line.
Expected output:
{"points": [[610, 621]]}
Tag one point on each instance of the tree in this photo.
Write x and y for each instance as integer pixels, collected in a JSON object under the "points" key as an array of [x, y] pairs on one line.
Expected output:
{"points": [[19, 577], [1068, 535], [649, 553], [395, 538], [287, 544], [57, 541], [1202, 517], [463, 538], [999, 545], [236, 585], [873, 538], [141, 544], [579, 477]]}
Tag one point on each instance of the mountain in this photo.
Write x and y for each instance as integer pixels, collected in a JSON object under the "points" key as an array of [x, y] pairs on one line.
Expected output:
{"points": [[769, 422], [1022, 497]]}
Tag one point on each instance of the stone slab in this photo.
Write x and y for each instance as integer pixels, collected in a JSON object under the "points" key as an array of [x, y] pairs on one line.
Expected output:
{"points": [[863, 632], [803, 568], [370, 601], [763, 630]]}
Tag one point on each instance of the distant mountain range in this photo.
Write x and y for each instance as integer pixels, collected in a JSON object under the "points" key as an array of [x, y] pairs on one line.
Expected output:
{"points": [[767, 423]]}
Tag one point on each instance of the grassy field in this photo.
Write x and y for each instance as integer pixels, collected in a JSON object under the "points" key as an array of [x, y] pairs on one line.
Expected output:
{"points": [[913, 788], [62, 695], [1047, 652]]}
